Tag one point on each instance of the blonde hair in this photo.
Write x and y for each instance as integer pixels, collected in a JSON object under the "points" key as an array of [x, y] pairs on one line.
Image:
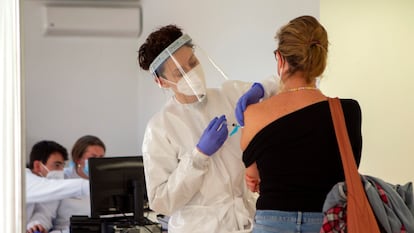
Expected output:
{"points": [[303, 43]]}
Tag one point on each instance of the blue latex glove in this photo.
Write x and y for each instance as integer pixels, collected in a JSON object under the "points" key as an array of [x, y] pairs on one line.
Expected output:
{"points": [[252, 96], [213, 136]]}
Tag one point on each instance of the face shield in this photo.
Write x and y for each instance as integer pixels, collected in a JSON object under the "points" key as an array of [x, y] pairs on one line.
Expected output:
{"points": [[187, 70]]}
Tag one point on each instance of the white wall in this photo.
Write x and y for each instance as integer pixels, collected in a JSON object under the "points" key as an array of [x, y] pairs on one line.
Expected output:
{"points": [[77, 85], [92, 85], [370, 59]]}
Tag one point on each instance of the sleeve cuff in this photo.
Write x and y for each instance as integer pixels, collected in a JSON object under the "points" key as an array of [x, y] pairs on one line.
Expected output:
{"points": [[200, 160]]}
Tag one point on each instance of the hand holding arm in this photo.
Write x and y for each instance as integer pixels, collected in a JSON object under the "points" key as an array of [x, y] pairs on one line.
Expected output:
{"points": [[252, 178], [252, 96]]}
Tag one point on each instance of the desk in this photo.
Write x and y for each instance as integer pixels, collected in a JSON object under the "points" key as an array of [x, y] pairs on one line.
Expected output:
{"points": [[135, 229], [161, 219], [84, 224]]}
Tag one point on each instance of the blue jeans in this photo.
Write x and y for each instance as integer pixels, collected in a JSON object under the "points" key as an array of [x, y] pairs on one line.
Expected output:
{"points": [[272, 221]]}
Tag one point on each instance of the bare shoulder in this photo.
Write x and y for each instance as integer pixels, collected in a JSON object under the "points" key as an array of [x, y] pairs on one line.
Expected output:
{"points": [[255, 118], [258, 116]]}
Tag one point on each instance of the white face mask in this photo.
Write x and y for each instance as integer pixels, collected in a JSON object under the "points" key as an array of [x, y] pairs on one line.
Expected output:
{"points": [[55, 174], [193, 84]]}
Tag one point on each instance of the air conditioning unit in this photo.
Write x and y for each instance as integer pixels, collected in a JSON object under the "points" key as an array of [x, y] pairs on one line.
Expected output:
{"points": [[93, 18]]}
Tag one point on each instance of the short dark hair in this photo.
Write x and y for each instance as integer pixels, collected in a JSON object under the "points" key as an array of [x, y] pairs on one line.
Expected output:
{"points": [[42, 150], [155, 43]]}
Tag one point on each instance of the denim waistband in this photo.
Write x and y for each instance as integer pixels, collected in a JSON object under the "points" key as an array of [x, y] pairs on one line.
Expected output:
{"points": [[289, 216]]}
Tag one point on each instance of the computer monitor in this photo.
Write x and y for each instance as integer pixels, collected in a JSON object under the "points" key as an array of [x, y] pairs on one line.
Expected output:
{"points": [[117, 188]]}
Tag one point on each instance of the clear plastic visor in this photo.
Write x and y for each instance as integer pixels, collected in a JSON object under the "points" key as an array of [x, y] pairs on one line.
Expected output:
{"points": [[187, 71]]}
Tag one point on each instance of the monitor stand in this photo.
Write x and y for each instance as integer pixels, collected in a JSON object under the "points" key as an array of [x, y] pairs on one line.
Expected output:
{"points": [[139, 218]]}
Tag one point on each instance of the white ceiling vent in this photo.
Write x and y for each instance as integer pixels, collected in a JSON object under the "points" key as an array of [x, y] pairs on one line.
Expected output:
{"points": [[93, 18]]}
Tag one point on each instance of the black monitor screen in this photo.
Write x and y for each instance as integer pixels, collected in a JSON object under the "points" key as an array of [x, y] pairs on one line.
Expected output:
{"points": [[117, 187]]}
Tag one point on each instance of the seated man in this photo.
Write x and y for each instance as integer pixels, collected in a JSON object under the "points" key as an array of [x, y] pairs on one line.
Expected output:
{"points": [[45, 186]]}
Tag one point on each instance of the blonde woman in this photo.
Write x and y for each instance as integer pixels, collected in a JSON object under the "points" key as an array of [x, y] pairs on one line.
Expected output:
{"points": [[288, 141]]}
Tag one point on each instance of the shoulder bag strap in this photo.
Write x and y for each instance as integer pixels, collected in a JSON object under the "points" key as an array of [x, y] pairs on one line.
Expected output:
{"points": [[360, 217]]}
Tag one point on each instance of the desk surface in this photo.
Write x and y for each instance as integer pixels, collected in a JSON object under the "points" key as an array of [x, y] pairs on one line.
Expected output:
{"points": [[153, 217], [82, 224]]}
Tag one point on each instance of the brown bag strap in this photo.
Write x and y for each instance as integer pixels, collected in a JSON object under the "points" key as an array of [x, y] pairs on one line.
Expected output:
{"points": [[360, 217]]}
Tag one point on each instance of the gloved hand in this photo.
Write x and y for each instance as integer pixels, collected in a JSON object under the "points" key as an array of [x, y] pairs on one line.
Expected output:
{"points": [[252, 96], [213, 136]]}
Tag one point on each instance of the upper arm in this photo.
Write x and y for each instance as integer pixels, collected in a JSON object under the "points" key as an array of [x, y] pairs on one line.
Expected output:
{"points": [[353, 119], [246, 132], [40, 189], [253, 123]]}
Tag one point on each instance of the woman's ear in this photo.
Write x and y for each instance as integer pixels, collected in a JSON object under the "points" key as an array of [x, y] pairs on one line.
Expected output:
{"points": [[280, 61], [283, 66]]}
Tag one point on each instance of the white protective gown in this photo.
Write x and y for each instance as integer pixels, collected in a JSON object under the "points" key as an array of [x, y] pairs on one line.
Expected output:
{"points": [[43, 196], [199, 193], [71, 206], [43, 213]]}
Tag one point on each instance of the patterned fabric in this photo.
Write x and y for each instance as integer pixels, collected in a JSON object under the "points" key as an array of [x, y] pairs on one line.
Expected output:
{"points": [[382, 194], [335, 218]]}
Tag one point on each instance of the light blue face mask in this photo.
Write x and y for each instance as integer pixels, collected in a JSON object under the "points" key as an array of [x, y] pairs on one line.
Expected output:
{"points": [[86, 168]]}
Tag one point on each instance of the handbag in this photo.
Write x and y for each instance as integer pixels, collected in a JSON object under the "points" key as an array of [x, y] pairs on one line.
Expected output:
{"points": [[360, 216]]}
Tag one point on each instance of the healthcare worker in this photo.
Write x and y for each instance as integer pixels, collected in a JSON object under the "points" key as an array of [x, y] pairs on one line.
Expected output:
{"points": [[45, 185], [193, 169], [87, 146]]}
